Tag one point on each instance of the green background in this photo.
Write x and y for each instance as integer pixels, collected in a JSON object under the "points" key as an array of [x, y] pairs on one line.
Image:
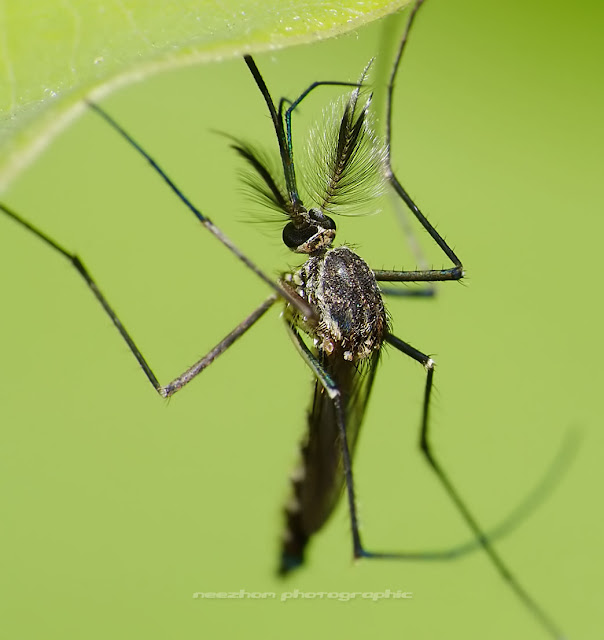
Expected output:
{"points": [[117, 506]]}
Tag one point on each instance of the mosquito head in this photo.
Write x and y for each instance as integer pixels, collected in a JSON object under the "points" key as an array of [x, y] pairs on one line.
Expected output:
{"points": [[309, 231]]}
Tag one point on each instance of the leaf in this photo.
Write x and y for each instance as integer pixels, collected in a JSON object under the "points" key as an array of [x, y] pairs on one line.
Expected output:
{"points": [[53, 53]]}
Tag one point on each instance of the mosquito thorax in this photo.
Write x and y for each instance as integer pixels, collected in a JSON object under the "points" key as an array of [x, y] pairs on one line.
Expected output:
{"points": [[351, 319], [309, 231]]}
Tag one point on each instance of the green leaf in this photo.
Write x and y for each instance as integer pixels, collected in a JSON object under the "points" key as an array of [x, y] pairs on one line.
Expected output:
{"points": [[53, 53]]}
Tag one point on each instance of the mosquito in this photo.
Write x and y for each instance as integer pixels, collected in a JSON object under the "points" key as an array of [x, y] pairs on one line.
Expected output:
{"points": [[333, 308]]}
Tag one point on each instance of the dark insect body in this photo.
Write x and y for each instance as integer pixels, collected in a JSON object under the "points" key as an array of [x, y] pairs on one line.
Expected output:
{"points": [[348, 337]]}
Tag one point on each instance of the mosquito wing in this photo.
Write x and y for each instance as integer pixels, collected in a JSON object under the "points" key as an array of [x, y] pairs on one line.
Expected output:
{"points": [[319, 478]]}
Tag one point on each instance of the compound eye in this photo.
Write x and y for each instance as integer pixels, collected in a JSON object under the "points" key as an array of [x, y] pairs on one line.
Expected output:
{"points": [[316, 215], [294, 238]]}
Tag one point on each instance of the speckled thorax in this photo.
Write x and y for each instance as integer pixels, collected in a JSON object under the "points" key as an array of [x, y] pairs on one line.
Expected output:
{"points": [[342, 288]]}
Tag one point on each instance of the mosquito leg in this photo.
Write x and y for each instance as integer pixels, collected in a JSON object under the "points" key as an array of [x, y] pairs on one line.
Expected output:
{"points": [[336, 397], [298, 100], [422, 275], [426, 291], [450, 553], [409, 293], [481, 537], [287, 294], [429, 275], [193, 371], [402, 216], [178, 383], [322, 83]]}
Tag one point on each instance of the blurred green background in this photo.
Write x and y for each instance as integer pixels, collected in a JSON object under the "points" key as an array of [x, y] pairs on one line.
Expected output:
{"points": [[117, 507]]}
